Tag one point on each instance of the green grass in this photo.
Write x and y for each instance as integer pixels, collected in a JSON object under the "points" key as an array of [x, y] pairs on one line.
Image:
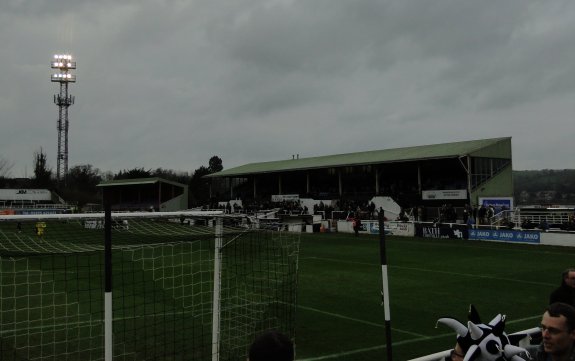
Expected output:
{"points": [[340, 316], [339, 312], [52, 302]]}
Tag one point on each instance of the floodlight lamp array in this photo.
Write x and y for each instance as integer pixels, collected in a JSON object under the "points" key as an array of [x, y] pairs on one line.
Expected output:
{"points": [[63, 62], [63, 65], [64, 77]]}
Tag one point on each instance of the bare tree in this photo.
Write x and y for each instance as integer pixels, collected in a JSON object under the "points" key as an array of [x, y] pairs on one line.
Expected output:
{"points": [[5, 167], [42, 173]]}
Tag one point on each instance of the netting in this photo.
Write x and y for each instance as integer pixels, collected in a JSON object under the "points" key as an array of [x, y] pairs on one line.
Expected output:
{"points": [[52, 287]]}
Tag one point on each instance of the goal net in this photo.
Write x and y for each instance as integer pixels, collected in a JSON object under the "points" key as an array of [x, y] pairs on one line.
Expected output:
{"points": [[185, 286]]}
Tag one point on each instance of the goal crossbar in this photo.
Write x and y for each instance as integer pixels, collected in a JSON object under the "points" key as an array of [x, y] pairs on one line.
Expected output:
{"points": [[122, 215]]}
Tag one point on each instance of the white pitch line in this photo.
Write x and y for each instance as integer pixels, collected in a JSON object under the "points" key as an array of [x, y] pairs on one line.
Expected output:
{"points": [[399, 343], [358, 320], [442, 272], [51, 326], [373, 348]]}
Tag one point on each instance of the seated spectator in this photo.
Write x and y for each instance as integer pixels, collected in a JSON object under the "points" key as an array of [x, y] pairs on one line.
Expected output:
{"points": [[271, 346], [527, 224]]}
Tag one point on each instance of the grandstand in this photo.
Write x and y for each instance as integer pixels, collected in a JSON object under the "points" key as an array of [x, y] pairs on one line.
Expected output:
{"points": [[31, 201], [458, 173], [145, 194]]}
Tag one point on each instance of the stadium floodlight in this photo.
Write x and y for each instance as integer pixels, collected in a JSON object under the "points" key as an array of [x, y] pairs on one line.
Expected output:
{"points": [[64, 77], [63, 63]]}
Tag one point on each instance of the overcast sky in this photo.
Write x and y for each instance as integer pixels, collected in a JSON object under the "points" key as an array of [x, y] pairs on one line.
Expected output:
{"points": [[169, 84]]}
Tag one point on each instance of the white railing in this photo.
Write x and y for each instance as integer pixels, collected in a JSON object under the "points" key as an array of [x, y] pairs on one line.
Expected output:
{"points": [[550, 215], [524, 342]]}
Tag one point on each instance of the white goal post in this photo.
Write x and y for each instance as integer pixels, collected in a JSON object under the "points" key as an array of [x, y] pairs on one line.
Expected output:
{"points": [[186, 285]]}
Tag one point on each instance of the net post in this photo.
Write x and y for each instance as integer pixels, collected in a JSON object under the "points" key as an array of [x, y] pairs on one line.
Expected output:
{"points": [[108, 317], [217, 289], [385, 289]]}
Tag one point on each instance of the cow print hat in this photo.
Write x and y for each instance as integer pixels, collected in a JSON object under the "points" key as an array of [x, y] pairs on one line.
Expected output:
{"points": [[485, 342]]}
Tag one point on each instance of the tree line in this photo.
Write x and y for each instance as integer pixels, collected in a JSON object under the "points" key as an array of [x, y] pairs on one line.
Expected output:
{"points": [[80, 186], [547, 186]]}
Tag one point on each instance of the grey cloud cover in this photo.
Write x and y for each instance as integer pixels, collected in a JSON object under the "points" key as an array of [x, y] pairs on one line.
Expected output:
{"points": [[171, 83]]}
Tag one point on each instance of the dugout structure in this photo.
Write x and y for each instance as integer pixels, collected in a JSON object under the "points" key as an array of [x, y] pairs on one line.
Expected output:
{"points": [[145, 194], [458, 173], [183, 286]]}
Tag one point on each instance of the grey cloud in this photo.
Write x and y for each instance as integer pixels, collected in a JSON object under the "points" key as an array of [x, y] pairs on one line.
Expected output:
{"points": [[171, 83]]}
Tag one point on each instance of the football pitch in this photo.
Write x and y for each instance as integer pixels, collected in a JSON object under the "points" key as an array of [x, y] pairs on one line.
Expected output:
{"points": [[52, 299], [340, 314]]}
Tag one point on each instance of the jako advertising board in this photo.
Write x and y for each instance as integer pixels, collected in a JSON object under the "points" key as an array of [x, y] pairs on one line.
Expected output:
{"points": [[505, 235]]}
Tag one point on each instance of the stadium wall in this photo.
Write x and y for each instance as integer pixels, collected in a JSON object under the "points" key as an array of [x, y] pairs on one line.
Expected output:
{"points": [[404, 229], [558, 239], [498, 186], [459, 231]]}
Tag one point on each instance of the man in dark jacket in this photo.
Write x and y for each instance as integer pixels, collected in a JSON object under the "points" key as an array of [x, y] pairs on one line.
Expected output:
{"points": [[566, 292], [558, 333]]}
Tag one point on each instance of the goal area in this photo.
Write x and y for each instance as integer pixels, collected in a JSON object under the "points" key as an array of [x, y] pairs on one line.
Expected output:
{"points": [[142, 286]]}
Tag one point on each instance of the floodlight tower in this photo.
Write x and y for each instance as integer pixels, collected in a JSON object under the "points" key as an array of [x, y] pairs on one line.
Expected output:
{"points": [[64, 64]]}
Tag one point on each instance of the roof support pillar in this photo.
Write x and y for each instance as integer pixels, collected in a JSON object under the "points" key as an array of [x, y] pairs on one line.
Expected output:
{"points": [[469, 178], [159, 196], [419, 186], [340, 183], [467, 167], [255, 193], [279, 184], [376, 180], [307, 182]]}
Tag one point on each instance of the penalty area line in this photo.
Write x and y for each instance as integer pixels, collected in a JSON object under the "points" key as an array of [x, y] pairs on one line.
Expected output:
{"points": [[373, 348], [459, 274], [359, 320], [399, 343]]}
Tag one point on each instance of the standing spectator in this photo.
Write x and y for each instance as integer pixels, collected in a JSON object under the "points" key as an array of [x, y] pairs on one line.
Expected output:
{"points": [[481, 215], [475, 213], [356, 225], [371, 210], [490, 213], [566, 291], [271, 346], [466, 211]]}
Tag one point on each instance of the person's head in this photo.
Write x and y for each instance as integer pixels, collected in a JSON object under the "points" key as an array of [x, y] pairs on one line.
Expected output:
{"points": [[558, 328], [568, 277], [271, 346], [457, 354]]}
